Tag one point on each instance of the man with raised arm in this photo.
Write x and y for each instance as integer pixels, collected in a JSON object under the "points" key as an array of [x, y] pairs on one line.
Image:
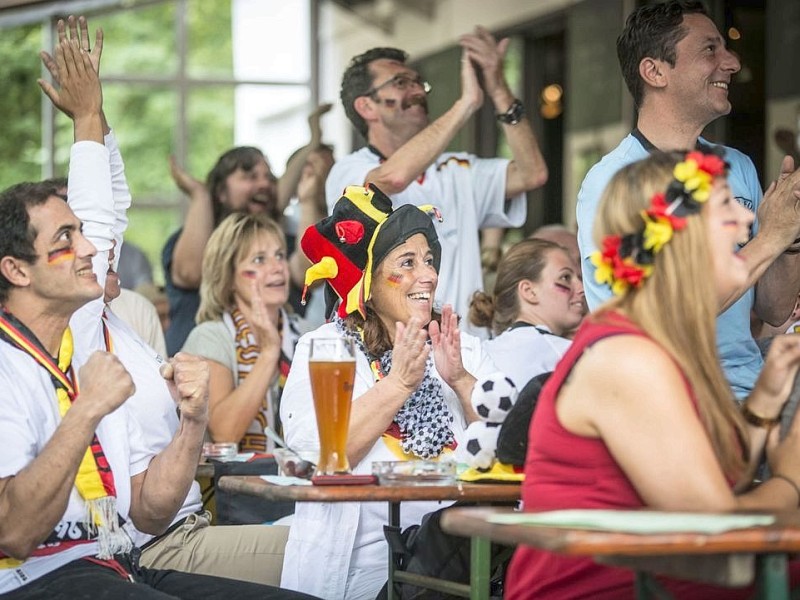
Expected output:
{"points": [[248, 552], [678, 70], [74, 465], [386, 101]]}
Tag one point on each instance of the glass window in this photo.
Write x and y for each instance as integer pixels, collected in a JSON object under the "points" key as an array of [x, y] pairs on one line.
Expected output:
{"points": [[141, 41], [210, 39], [274, 118], [21, 154], [209, 129], [161, 103]]}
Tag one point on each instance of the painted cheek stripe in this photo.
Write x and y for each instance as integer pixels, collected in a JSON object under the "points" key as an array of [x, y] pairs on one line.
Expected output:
{"points": [[394, 279], [59, 256], [249, 274]]}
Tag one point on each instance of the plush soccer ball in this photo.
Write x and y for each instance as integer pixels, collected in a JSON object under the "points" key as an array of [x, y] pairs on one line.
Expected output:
{"points": [[493, 396], [482, 444]]}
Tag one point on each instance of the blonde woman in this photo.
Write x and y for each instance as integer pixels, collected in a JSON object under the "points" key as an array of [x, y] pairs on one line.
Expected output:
{"points": [[538, 299], [244, 329], [638, 412]]}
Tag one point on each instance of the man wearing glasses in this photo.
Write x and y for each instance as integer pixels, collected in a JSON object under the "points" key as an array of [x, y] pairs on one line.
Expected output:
{"points": [[387, 103]]}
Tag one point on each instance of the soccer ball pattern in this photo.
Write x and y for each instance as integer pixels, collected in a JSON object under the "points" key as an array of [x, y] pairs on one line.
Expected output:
{"points": [[482, 444], [492, 398]]}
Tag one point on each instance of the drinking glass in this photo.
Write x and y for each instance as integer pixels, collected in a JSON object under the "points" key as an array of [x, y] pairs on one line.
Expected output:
{"points": [[332, 367]]}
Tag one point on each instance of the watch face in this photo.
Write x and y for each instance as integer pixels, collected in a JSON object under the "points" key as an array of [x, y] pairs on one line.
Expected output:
{"points": [[513, 115]]}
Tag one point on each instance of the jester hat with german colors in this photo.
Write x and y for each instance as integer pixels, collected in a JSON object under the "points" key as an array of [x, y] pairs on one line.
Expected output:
{"points": [[345, 247]]}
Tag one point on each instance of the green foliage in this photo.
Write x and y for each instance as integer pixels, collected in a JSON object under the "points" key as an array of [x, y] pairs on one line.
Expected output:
{"points": [[210, 129], [20, 106], [209, 38], [140, 41]]}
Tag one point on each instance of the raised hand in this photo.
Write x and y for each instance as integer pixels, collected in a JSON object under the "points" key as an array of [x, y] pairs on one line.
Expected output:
{"points": [[267, 334], [311, 187], [409, 354], [446, 340], [187, 379], [94, 52], [79, 95], [104, 383], [471, 92], [482, 49], [314, 122], [778, 374], [185, 182], [779, 212]]}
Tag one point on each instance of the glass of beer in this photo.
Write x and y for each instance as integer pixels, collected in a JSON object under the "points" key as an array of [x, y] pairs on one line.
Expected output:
{"points": [[332, 367]]}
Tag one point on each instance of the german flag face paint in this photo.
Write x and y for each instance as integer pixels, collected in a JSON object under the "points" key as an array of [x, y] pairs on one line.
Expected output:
{"points": [[249, 274], [61, 255], [394, 279]]}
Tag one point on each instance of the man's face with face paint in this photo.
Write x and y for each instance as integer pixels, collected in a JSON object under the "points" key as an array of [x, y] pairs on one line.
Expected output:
{"points": [[401, 101]]}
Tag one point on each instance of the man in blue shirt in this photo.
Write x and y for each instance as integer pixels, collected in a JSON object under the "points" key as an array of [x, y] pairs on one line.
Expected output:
{"points": [[678, 70]]}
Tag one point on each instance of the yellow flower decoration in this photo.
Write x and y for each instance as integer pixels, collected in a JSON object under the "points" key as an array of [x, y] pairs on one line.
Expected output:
{"points": [[619, 287], [604, 272], [657, 232], [695, 180]]}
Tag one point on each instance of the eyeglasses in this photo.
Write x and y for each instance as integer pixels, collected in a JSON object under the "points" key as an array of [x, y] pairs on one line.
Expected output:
{"points": [[401, 81]]}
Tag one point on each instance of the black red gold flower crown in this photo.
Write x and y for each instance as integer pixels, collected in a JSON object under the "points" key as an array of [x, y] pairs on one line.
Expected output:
{"points": [[625, 261]]}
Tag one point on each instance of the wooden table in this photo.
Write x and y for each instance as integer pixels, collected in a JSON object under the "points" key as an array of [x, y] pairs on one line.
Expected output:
{"points": [[204, 469], [711, 558], [394, 495]]}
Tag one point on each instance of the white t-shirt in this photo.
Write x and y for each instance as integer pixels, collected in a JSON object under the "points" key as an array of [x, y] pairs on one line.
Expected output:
{"points": [[470, 192], [28, 419], [522, 353]]}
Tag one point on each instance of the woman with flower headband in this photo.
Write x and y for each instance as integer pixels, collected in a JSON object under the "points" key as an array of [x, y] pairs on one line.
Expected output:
{"points": [[638, 412]]}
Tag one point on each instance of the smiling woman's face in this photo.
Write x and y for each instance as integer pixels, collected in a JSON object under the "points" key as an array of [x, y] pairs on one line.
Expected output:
{"points": [[265, 262], [404, 283], [559, 293]]}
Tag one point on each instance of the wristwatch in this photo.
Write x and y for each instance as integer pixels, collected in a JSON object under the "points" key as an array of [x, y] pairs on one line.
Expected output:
{"points": [[514, 113]]}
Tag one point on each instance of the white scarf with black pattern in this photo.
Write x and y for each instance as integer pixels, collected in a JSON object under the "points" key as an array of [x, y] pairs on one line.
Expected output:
{"points": [[424, 419]]}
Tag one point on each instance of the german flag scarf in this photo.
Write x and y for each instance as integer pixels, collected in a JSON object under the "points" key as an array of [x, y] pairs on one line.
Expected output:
{"points": [[94, 481], [247, 351]]}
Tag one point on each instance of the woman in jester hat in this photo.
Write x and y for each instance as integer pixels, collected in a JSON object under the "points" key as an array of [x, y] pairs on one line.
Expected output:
{"points": [[414, 377]]}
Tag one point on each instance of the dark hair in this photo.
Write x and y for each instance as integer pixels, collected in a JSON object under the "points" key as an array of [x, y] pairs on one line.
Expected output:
{"points": [[652, 31], [524, 260], [58, 182], [16, 233], [357, 80], [241, 157]]}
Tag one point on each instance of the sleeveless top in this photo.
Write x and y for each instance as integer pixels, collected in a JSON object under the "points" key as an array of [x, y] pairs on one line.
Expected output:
{"points": [[564, 470]]}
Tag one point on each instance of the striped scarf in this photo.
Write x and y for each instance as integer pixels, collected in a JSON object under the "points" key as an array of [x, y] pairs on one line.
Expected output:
{"points": [[247, 352], [94, 481]]}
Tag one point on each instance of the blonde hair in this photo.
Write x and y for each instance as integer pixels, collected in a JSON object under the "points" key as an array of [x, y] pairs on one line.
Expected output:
{"points": [[228, 244], [677, 304], [524, 260]]}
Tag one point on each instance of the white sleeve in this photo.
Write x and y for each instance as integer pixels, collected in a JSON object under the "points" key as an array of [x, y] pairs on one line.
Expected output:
{"points": [[89, 192], [297, 403], [120, 192], [140, 454], [489, 182], [89, 195]]}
